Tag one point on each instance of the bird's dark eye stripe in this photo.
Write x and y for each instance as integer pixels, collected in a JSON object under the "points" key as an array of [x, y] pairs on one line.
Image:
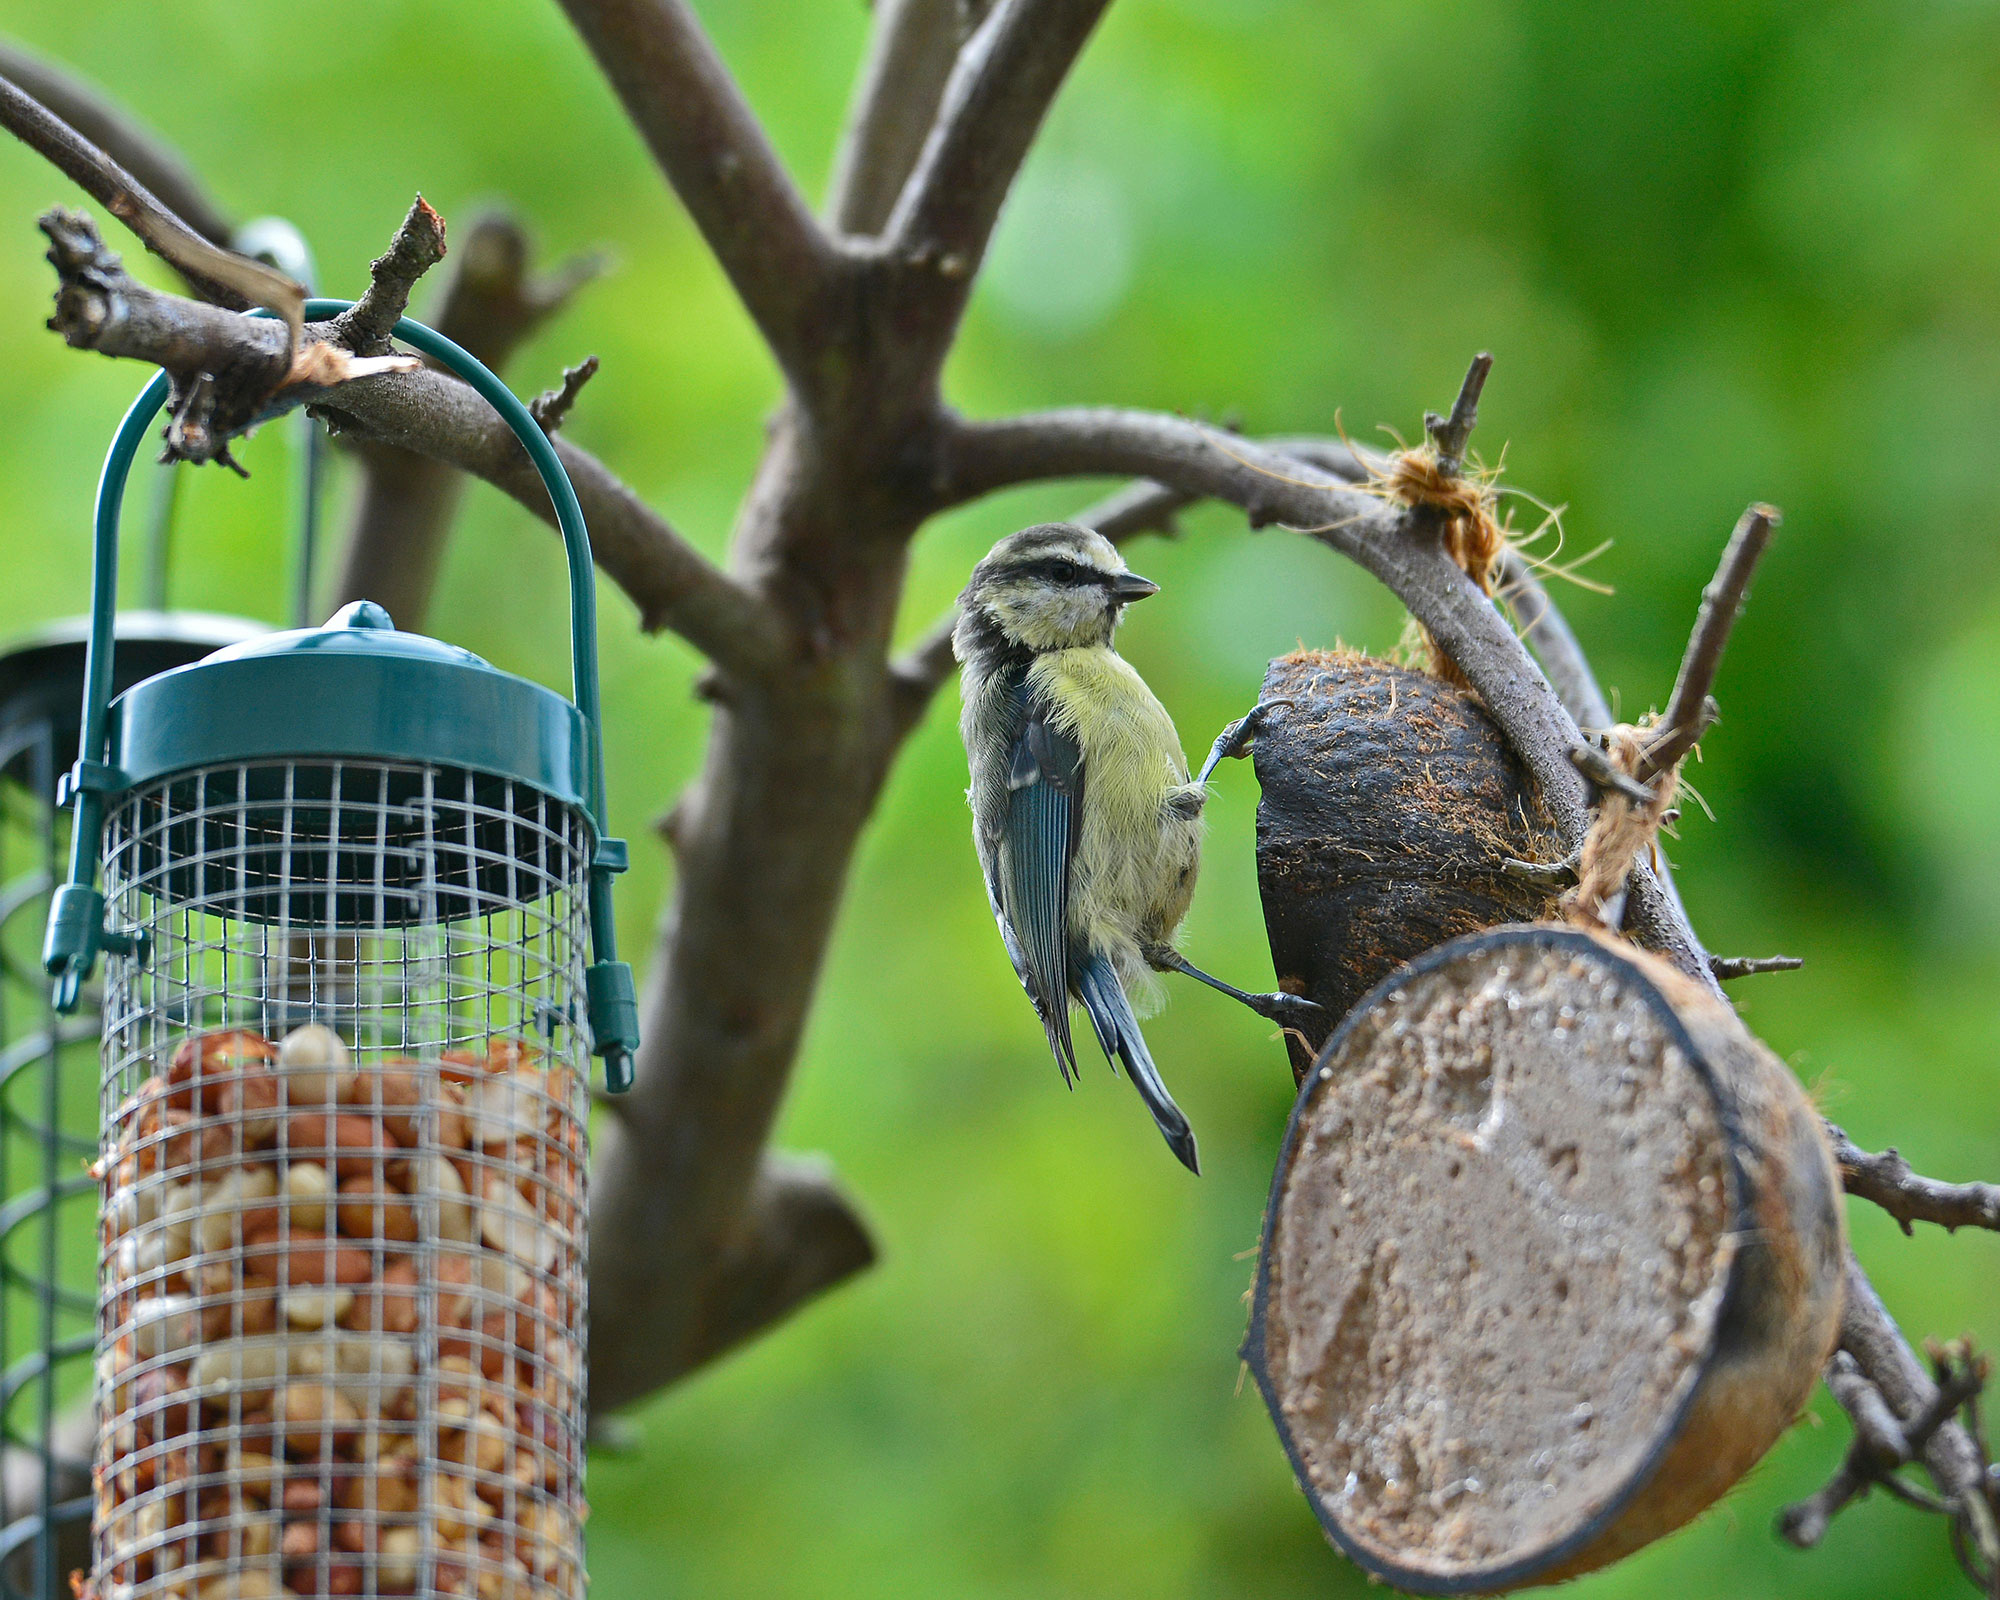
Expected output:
{"points": [[1057, 569]]}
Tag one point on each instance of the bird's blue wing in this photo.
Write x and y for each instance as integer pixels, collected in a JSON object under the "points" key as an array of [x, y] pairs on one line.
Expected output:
{"points": [[1037, 846]]}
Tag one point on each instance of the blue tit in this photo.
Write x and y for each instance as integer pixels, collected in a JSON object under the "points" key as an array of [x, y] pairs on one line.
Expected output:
{"points": [[1087, 825]]}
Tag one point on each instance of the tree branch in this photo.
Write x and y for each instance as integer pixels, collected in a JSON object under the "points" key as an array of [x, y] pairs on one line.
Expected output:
{"points": [[1729, 968], [1922, 1427], [404, 511], [712, 149], [1909, 1197], [229, 371], [149, 160], [1004, 81], [911, 51], [1882, 1442], [1450, 435], [365, 326]]}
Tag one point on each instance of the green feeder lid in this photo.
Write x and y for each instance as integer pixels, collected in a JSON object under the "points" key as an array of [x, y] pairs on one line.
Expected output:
{"points": [[356, 689]]}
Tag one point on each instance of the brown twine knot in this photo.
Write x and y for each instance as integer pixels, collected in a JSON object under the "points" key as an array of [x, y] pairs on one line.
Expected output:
{"points": [[1621, 830], [1463, 499]]}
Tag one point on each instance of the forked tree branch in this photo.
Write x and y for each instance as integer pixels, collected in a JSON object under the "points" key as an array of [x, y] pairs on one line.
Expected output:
{"points": [[1950, 1454], [688, 109], [1882, 1443]]}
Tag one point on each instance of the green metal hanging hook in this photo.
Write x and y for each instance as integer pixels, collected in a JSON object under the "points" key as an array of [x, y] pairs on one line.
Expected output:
{"points": [[76, 930]]}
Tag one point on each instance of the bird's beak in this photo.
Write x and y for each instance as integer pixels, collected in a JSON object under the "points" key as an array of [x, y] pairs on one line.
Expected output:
{"points": [[1129, 586]]}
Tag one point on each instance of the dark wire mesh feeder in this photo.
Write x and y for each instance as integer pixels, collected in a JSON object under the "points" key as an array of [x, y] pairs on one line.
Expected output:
{"points": [[357, 919], [48, 1103]]}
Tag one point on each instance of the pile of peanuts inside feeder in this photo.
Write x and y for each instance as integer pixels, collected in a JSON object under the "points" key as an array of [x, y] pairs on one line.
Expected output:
{"points": [[339, 1334]]}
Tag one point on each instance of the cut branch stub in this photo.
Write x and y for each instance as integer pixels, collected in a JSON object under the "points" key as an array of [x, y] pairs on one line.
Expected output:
{"points": [[1390, 809], [1553, 1256]]}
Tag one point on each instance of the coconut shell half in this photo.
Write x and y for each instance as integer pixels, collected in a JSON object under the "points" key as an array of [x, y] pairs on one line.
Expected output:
{"points": [[1552, 1257]]}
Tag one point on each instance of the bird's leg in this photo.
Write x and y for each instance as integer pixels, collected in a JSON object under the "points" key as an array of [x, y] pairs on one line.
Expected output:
{"points": [[1235, 740], [1288, 1010]]}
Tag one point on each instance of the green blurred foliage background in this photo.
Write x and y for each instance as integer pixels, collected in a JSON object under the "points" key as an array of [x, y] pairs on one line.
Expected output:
{"points": [[1722, 251]]}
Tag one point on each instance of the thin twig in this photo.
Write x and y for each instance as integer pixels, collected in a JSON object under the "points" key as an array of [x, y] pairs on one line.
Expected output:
{"points": [[418, 245], [551, 407], [491, 302], [715, 153], [1909, 1197], [1690, 712], [1729, 968], [1449, 435]]}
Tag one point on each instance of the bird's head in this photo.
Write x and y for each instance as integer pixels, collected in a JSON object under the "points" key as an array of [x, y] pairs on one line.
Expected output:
{"points": [[1054, 587]]}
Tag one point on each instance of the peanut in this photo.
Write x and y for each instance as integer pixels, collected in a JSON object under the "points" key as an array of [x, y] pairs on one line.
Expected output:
{"points": [[367, 1211], [508, 1223], [316, 1416], [315, 1308], [315, 1067], [306, 1257], [306, 1188]]}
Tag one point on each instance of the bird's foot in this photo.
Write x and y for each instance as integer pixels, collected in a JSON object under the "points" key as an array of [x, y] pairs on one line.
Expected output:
{"points": [[1287, 1010], [1236, 739]]}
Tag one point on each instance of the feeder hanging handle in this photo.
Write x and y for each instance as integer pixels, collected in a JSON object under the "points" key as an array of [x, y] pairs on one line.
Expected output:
{"points": [[76, 930]]}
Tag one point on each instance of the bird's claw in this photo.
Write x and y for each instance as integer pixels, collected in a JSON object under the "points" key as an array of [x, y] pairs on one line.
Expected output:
{"points": [[1235, 740], [1288, 1010]]}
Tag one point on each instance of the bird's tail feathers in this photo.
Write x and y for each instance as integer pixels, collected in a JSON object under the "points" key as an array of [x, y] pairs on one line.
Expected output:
{"points": [[1055, 1023], [1118, 1032]]}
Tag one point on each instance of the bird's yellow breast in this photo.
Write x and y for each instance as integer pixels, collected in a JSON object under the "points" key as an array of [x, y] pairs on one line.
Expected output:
{"points": [[1131, 752], [1136, 857]]}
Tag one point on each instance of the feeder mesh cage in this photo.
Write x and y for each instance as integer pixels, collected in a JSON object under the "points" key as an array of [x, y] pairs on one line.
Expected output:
{"points": [[339, 1337]]}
